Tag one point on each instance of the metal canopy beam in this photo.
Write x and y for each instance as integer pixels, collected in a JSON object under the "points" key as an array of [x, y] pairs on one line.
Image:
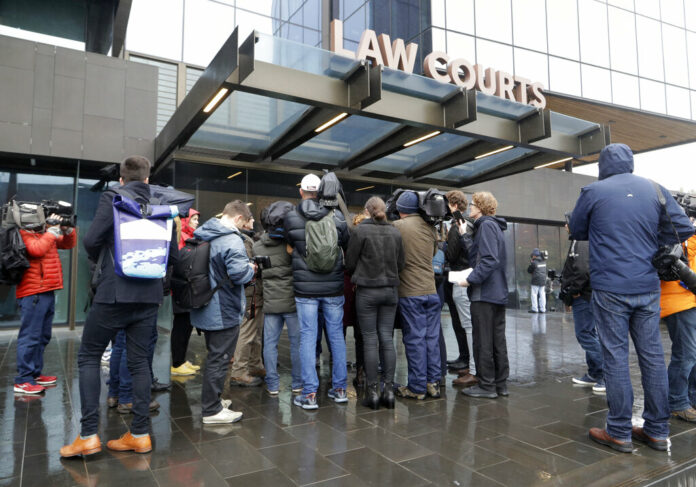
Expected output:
{"points": [[453, 158], [514, 166], [120, 26], [390, 143]]}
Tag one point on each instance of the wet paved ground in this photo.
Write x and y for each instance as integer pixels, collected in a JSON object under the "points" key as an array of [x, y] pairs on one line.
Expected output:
{"points": [[537, 436]]}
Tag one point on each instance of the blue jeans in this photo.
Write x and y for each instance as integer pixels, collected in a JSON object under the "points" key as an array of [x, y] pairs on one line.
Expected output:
{"points": [[120, 381], [420, 322], [37, 319], [682, 331], [586, 334], [616, 316], [272, 328], [307, 313]]}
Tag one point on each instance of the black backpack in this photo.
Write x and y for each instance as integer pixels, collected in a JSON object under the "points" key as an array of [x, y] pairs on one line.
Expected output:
{"points": [[191, 279], [13, 256]]}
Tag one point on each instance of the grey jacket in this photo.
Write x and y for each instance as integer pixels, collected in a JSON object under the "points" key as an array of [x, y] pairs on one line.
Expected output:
{"points": [[278, 293]]}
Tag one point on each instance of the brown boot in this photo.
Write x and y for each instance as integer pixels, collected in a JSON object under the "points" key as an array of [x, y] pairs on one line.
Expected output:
{"points": [[463, 372], [467, 380], [127, 443], [601, 436], [81, 447], [257, 372]]}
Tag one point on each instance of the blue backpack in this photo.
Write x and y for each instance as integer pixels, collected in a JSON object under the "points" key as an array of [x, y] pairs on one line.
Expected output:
{"points": [[439, 263], [142, 235]]}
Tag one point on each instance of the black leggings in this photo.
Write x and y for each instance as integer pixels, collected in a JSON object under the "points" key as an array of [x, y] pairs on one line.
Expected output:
{"points": [[181, 333], [376, 308]]}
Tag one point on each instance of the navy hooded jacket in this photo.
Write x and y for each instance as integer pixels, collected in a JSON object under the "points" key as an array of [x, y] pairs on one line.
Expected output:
{"points": [[488, 258], [622, 218]]}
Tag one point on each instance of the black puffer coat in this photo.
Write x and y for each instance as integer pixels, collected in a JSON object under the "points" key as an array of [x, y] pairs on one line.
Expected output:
{"points": [[310, 284]]}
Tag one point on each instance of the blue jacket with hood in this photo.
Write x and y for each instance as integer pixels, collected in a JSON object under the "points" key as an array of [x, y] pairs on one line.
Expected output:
{"points": [[488, 258], [227, 256], [623, 219]]}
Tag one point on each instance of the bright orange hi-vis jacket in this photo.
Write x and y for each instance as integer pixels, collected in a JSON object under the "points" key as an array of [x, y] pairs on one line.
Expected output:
{"points": [[45, 272], [675, 297]]}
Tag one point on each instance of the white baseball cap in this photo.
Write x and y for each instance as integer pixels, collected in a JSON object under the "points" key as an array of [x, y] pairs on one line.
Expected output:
{"points": [[310, 182]]}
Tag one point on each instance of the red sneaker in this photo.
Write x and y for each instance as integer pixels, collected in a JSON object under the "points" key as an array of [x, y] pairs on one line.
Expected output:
{"points": [[28, 388], [46, 380]]}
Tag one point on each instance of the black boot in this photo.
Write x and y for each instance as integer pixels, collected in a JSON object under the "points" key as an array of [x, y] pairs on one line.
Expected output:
{"points": [[387, 398], [371, 399], [359, 379]]}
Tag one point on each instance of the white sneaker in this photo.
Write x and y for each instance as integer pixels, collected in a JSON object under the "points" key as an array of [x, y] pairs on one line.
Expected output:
{"points": [[224, 416], [106, 356], [226, 403]]}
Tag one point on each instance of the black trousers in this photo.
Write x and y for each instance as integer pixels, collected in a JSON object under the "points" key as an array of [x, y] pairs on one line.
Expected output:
{"points": [[376, 308], [490, 346], [220, 345], [101, 325], [181, 334], [459, 331]]}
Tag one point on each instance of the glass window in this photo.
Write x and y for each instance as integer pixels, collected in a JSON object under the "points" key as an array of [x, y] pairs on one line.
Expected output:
{"points": [[311, 14], [562, 24], [596, 83], [247, 22], [594, 41], [525, 241], [690, 12], [437, 13], [532, 65], [651, 8], [678, 102], [691, 50], [622, 40], [625, 4], [649, 48], [163, 37], [460, 45], [493, 20], [207, 25], [492, 54], [672, 12], [263, 7], [625, 90], [405, 18], [354, 25], [166, 89], [529, 24], [460, 15], [192, 75], [652, 96], [564, 76], [674, 42], [439, 40]]}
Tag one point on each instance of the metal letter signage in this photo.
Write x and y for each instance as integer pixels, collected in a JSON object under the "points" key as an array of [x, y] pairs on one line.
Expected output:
{"points": [[437, 65]]}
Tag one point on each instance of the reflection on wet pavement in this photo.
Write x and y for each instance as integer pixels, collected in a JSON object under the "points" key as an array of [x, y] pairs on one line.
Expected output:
{"points": [[538, 435]]}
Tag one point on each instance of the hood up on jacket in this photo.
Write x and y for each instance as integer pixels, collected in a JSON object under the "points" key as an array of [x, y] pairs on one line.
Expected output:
{"points": [[500, 221], [186, 229], [615, 159], [213, 229], [312, 210], [267, 240]]}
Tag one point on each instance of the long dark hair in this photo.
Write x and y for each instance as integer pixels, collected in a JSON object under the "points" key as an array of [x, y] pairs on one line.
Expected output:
{"points": [[377, 209]]}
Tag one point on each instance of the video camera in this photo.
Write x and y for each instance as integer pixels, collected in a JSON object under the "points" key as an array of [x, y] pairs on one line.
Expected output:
{"points": [[432, 205], [263, 261], [34, 216], [688, 203], [670, 265]]}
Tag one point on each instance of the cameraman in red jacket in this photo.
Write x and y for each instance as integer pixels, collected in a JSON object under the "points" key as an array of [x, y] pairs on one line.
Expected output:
{"points": [[36, 300]]}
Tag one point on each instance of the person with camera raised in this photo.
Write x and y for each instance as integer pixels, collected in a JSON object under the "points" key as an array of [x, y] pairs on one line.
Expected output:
{"points": [[231, 269], [318, 236], [678, 309], [278, 297], [374, 259], [419, 303], [488, 294], [537, 268], [36, 301], [626, 218]]}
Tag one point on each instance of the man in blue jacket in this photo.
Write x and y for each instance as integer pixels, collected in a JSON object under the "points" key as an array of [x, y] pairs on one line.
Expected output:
{"points": [[221, 317], [623, 219], [488, 294]]}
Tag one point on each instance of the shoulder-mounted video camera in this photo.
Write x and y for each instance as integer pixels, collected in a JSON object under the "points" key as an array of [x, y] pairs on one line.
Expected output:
{"points": [[671, 265], [34, 216], [688, 203], [432, 205]]}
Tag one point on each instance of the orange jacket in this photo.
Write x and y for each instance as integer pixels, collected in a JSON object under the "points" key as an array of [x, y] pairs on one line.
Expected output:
{"points": [[45, 272], [675, 297]]}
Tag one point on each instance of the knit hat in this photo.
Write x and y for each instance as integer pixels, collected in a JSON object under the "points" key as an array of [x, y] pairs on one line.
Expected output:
{"points": [[407, 202], [536, 253]]}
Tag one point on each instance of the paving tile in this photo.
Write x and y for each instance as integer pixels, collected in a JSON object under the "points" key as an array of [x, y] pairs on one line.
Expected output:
{"points": [[171, 450], [387, 444], [302, 464], [528, 455], [197, 432], [462, 452], [273, 477], [132, 470], [581, 452], [374, 469], [533, 436], [261, 433], [323, 438], [441, 471], [233, 456], [514, 474], [200, 473]]}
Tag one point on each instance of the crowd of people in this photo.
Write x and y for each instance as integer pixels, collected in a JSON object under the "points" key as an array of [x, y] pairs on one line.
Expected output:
{"points": [[314, 269]]}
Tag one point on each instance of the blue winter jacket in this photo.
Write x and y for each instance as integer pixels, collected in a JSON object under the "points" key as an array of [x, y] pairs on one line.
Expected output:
{"points": [[488, 258], [622, 218], [227, 256]]}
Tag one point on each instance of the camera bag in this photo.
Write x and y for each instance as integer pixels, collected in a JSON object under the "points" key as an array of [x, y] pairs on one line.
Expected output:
{"points": [[13, 253]]}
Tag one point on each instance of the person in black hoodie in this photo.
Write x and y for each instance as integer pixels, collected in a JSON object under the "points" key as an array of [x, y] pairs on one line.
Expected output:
{"points": [[488, 294], [315, 291], [375, 257]]}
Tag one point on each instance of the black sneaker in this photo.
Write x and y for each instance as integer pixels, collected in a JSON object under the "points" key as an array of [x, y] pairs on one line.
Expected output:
{"points": [[158, 386], [457, 365], [476, 391], [502, 390]]}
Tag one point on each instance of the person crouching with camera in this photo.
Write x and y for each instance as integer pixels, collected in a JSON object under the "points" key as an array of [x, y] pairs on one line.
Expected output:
{"points": [[36, 300]]}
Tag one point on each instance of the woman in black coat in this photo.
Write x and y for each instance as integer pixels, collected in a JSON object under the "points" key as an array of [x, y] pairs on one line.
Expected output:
{"points": [[374, 258]]}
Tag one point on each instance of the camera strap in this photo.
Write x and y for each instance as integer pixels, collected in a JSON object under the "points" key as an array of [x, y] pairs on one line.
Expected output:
{"points": [[663, 203]]}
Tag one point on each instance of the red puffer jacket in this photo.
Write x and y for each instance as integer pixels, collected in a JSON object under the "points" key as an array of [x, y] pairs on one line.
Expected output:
{"points": [[45, 272]]}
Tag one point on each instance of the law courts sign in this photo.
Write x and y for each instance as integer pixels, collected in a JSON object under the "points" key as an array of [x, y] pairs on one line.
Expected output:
{"points": [[459, 71]]}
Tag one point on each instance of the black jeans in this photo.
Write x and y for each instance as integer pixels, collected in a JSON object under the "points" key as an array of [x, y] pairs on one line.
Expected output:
{"points": [[376, 308], [101, 325], [459, 331], [220, 345], [490, 346], [181, 334]]}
